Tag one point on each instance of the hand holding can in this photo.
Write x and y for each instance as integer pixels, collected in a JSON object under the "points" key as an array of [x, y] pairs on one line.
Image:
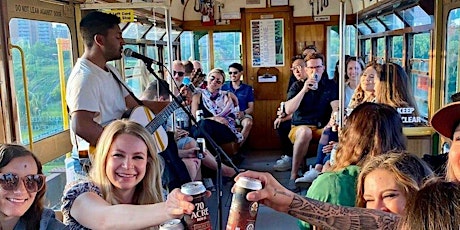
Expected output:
{"points": [[202, 145], [200, 218], [314, 86], [243, 213]]}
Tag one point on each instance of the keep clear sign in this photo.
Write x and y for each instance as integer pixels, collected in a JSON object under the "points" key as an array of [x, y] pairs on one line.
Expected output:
{"points": [[126, 15], [409, 116]]}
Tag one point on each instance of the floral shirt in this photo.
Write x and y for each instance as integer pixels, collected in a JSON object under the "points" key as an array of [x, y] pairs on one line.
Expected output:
{"points": [[69, 197]]}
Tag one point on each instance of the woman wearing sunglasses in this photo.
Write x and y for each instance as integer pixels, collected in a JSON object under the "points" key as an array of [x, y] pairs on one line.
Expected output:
{"points": [[219, 110], [124, 187], [22, 191]]}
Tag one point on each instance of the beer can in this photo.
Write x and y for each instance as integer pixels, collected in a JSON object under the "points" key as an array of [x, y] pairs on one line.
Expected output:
{"points": [[200, 218], [283, 107], [199, 115], [315, 86], [243, 213], [201, 144], [335, 117], [174, 224]]}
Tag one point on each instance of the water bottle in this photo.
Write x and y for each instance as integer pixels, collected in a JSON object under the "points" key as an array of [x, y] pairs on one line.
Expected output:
{"points": [[72, 167]]}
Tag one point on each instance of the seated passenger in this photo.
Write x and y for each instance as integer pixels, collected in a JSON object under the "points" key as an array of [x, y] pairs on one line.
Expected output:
{"points": [[365, 92], [125, 180], [359, 141], [218, 109], [394, 89], [245, 95], [308, 102], [22, 191], [329, 137], [282, 123]]}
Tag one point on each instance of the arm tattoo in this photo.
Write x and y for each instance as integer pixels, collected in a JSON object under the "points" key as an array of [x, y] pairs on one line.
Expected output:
{"points": [[328, 216], [280, 192]]}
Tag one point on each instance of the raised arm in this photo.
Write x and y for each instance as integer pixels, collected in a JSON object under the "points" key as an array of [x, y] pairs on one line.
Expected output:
{"points": [[93, 212], [321, 214]]}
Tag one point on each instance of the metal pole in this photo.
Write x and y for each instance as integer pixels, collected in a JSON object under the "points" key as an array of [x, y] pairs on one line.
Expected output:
{"points": [[342, 25]]}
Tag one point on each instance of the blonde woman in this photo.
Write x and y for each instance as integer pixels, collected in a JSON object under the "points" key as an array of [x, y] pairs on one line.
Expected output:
{"points": [[124, 181], [386, 182]]}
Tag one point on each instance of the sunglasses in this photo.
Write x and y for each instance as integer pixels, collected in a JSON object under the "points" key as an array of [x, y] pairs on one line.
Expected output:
{"points": [[212, 78], [181, 74], [230, 73], [32, 183]]}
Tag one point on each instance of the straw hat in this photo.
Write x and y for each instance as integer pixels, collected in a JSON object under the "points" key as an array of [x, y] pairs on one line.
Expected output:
{"points": [[446, 119]]}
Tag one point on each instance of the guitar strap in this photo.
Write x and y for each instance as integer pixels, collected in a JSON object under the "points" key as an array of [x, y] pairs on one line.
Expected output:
{"points": [[126, 87]]}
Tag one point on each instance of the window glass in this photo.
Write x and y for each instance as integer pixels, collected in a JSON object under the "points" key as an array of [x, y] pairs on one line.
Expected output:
{"points": [[376, 25], [415, 16], [392, 21], [419, 74], [380, 55], [364, 29], [135, 30], [367, 50], [155, 34], [203, 52], [397, 50], [226, 49], [333, 46], [186, 46], [47, 48], [452, 57]]}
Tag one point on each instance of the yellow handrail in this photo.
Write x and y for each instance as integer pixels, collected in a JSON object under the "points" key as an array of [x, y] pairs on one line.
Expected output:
{"points": [[26, 95]]}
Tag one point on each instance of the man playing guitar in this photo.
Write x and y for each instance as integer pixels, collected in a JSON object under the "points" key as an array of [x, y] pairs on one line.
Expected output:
{"points": [[94, 94]]}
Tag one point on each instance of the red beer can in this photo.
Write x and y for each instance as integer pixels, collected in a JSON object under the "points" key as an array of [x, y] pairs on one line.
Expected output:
{"points": [[243, 213]]}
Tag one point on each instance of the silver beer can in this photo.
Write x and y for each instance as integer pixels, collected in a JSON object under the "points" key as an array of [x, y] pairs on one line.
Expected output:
{"points": [[199, 115], [174, 224], [201, 144]]}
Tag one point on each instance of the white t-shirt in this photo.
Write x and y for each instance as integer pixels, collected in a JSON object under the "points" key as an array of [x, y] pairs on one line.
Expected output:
{"points": [[93, 89]]}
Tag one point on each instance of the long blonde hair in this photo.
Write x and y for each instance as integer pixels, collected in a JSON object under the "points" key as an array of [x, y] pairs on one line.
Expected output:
{"points": [[149, 190], [409, 171]]}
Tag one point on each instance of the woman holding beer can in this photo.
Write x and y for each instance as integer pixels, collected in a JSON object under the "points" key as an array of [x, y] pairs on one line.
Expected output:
{"points": [[124, 181]]}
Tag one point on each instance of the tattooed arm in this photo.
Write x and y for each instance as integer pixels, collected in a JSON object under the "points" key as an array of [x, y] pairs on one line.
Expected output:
{"points": [[320, 214]]}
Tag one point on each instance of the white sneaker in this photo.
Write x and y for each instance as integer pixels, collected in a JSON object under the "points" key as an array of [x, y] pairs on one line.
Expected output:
{"points": [[307, 178], [283, 164]]}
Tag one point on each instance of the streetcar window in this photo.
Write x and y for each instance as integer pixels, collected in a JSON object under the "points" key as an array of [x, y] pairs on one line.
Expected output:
{"points": [[333, 46], [135, 30], [397, 47], [381, 47], [155, 33], [226, 49], [48, 61], [415, 16], [376, 26], [451, 50], [419, 73], [392, 21], [364, 29]]}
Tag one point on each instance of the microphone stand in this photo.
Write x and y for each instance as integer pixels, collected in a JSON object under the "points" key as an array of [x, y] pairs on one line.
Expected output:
{"points": [[214, 145]]}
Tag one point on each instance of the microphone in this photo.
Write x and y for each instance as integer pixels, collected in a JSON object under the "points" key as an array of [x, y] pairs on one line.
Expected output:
{"points": [[130, 53]]}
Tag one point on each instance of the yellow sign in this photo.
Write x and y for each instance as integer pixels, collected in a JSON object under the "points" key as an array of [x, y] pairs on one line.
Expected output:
{"points": [[126, 15]]}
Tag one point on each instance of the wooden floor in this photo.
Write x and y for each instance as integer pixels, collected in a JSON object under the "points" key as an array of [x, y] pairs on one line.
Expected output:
{"points": [[267, 218]]}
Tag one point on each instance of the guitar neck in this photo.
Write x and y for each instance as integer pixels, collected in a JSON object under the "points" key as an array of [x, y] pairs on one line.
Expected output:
{"points": [[161, 117]]}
